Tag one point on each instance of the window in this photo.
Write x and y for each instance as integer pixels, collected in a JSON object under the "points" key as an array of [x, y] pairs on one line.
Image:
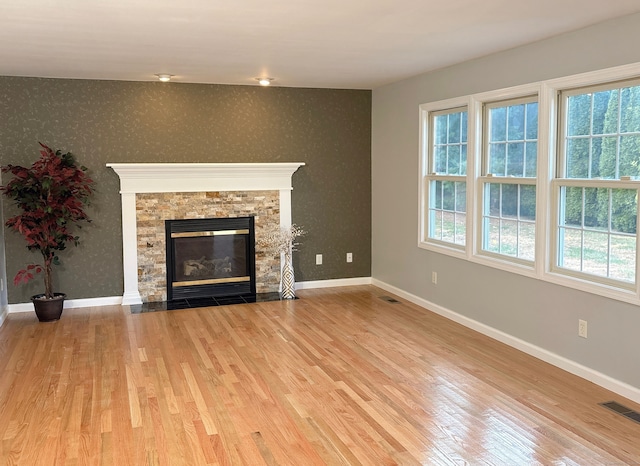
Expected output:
{"points": [[446, 177], [509, 183], [599, 161], [540, 179]]}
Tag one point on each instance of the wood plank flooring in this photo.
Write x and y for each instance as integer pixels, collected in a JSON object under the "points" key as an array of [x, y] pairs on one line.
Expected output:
{"points": [[338, 377]]}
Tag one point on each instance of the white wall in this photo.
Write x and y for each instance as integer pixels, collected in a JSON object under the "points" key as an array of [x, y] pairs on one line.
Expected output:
{"points": [[541, 314]]}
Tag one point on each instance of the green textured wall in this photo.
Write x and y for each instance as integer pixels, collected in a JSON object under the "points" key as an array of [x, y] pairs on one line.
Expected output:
{"points": [[111, 121]]}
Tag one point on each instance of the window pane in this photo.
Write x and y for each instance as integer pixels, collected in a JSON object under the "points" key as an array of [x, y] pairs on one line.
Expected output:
{"points": [[605, 112], [509, 238], [448, 195], [579, 115], [595, 253], [608, 159], [449, 150], [505, 230], [461, 228], [435, 199], [570, 246], [440, 129], [630, 155], [435, 224], [498, 124], [453, 131], [528, 202], [463, 159], [461, 197], [515, 159], [453, 160], [498, 159], [531, 155], [623, 258], [624, 210], [463, 127], [440, 156], [578, 158], [492, 243], [494, 199], [447, 211], [596, 208], [532, 121], [571, 201], [515, 129], [630, 98], [509, 200], [596, 163], [448, 227], [527, 241]]}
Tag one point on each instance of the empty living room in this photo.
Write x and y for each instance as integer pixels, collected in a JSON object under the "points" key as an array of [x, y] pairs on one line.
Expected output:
{"points": [[302, 233]]}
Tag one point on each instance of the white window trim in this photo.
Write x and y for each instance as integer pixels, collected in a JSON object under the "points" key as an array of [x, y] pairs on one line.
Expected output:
{"points": [[477, 254], [546, 192], [485, 178], [423, 206]]}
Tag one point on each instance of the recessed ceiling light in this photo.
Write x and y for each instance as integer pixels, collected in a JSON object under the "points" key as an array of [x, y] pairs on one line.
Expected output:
{"points": [[264, 81], [165, 78]]}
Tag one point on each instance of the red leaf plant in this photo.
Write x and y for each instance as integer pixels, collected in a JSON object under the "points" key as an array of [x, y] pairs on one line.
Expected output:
{"points": [[52, 196]]}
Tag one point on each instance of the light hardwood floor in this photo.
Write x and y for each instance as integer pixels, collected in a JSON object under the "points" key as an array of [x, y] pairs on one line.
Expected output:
{"points": [[338, 377]]}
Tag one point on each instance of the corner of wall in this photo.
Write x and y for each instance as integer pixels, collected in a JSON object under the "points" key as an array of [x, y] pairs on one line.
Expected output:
{"points": [[4, 300]]}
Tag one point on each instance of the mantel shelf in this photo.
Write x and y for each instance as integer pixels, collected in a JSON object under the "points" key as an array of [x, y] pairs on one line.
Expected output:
{"points": [[197, 177]]}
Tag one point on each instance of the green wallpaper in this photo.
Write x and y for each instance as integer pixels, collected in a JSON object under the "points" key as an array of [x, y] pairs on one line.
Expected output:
{"points": [[113, 121]]}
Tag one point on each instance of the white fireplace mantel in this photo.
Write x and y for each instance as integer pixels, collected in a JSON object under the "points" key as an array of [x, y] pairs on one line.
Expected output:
{"points": [[198, 177], [191, 177]]}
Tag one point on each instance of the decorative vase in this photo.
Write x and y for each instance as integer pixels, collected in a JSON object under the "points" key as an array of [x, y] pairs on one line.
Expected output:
{"points": [[48, 310], [287, 281]]}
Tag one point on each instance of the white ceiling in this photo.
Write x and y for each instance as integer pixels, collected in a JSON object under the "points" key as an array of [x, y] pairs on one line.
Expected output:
{"points": [[359, 44]]}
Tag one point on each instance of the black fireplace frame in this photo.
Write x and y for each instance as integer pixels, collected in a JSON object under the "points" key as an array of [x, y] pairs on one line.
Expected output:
{"points": [[217, 289]]}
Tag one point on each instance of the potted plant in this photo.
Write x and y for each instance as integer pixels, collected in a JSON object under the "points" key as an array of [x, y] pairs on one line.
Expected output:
{"points": [[52, 195]]}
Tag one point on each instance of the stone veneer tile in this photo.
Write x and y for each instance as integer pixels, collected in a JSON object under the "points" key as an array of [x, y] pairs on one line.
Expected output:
{"points": [[152, 209]]}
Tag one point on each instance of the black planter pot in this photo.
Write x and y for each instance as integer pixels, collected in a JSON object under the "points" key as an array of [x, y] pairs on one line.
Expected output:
{"points": [[48, 310]]}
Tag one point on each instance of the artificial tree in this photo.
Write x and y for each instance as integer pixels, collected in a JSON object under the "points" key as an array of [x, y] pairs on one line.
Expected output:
{"points": [[51, 195]]}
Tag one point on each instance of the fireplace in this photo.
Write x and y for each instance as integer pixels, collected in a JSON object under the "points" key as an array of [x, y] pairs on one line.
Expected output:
{"points": [[154, 192], [211, 257]]}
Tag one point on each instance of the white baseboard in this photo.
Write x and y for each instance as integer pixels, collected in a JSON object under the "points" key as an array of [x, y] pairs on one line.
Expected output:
{"points": [[71, 303], [333, 283], [605, 381], [115, 300], [3, 315]]}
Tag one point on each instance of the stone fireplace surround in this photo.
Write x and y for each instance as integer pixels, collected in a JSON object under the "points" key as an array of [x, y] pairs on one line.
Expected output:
{"points": [[207, 178]]}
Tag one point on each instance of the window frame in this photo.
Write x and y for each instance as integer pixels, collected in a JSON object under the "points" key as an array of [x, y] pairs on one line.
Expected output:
{"points": [[427, 175], [561, 180], [547, 192], [485, 178]]}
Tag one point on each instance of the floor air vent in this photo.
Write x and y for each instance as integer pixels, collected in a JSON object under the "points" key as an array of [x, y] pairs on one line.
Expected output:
{"points": [[389, 299], [626, 412]]}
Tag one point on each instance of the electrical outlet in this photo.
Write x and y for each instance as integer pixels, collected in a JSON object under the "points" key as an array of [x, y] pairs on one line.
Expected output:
{"points": [[434, 278], [349, 257], [582, 328], [318, 259]]}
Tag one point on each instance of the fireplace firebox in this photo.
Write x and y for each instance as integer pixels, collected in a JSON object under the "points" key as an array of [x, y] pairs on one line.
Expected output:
{"points": [[210, 257]]}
